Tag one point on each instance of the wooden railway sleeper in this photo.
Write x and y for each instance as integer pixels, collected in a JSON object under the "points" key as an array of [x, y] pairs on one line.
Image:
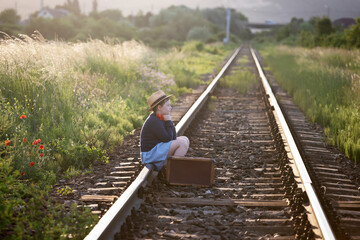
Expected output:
{"points": [[329, 208]]}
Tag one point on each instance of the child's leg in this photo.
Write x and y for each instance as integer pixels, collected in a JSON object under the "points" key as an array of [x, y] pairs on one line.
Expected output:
{"points": [[186, 139], [179, 147]]}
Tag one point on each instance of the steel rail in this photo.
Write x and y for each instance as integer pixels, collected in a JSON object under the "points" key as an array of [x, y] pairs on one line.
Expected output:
{"points": [[304, 175], [113, 219]]}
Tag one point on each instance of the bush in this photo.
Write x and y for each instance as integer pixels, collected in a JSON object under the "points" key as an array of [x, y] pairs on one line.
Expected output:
{"points": [[306, 39], [352, 35], [26, 212], [199, 33]]}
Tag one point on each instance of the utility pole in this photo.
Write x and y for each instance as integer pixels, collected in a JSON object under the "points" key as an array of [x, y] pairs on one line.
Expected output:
{"points": [[327, 10], [41, 5], [228, 18]]}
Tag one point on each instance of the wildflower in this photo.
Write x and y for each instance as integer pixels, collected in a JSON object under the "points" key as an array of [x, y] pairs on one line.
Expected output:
{"points": [[31, 164], [7, 142], [41, 154], [24, 139], [23, 173], [41, 146], [36, 142], [23, 116]]}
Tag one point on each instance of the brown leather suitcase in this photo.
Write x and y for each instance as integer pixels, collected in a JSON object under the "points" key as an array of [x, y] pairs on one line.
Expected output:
{"points": [[190, 171]]}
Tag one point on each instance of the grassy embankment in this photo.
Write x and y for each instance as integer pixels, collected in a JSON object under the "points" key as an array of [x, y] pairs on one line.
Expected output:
{"points": [[325, 83], [63, 106]]}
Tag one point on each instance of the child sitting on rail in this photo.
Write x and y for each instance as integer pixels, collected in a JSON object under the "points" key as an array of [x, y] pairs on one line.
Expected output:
{"points": [[158, 135]]}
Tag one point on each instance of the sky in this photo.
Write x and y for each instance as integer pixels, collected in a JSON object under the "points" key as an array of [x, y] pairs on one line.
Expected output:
{"points": [[257, 11]]}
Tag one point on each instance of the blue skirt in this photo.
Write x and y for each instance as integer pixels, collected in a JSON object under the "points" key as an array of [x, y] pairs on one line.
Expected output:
{"points": [[156, 156]]}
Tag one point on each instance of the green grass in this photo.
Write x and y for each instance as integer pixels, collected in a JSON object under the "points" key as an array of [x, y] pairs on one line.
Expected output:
{"points": [[241, 79], [80, 100], [190, 62], [325, 83]]}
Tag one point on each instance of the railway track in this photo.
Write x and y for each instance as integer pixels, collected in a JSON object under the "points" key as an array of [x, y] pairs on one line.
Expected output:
{"points": [[257, 192]]}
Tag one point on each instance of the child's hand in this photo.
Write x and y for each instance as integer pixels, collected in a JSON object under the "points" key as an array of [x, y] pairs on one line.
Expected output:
{"points": [[167, 117]]}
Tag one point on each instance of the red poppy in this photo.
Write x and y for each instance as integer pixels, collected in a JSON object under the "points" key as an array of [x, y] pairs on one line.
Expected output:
{"points": [[41, 154], [31, 164], [24, 139], [23, 173], [22, 116], [41, 146], [7, 142], [36, 142]]}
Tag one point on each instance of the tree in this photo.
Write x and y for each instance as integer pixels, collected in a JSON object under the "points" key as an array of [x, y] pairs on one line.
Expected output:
{"points": [[9, 16], [352, 35], [175, 22], [111, 14], [141, 20], [72, 6], [282, 33], [295, 26], [199, 33], [324, 26]]}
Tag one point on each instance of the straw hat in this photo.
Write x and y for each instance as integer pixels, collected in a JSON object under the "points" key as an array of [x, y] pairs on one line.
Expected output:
{"points": [[156, 98]]}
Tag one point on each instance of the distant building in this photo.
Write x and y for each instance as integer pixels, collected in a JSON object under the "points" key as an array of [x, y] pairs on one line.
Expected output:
{"points": [[344, 22], [53, 13]]}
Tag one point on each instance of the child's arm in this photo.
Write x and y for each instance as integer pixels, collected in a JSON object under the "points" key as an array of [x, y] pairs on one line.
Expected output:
{"points": [[164, 132]]}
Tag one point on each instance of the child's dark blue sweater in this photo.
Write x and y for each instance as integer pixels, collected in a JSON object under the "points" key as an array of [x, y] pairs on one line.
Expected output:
{"points": [[155, 131]]}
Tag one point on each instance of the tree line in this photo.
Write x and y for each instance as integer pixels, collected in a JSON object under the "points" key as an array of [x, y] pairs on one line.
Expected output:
{"points": [[317, 32], [171, 26]]}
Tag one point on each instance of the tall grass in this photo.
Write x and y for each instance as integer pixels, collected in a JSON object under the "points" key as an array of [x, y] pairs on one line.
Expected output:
{"points": [[72, 94], [79, 101], [87, 95], [325, 83]]}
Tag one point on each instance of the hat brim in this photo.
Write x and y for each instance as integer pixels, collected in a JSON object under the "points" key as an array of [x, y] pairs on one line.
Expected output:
{"points": [[151, 108]]}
